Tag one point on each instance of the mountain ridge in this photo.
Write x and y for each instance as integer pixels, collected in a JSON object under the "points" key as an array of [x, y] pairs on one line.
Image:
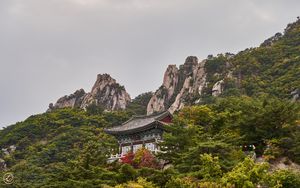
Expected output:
{"points": [[253, 71], [270, 68]]}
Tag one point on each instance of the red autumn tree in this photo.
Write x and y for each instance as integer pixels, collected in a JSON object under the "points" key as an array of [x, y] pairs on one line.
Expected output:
{"points": [[142, 158], [128, 158], [148, 160]]}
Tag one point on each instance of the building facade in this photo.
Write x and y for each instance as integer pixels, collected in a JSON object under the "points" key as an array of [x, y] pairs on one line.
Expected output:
{"points": [[138, 132]]}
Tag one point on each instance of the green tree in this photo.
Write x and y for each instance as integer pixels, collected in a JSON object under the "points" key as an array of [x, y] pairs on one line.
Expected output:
{"points": [[284, 179], [246, 174]]}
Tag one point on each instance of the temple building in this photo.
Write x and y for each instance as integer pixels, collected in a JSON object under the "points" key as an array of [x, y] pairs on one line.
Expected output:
{"points": [[138, 132]]}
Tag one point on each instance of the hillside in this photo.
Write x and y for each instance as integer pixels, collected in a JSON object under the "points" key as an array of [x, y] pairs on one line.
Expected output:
{"points": [[236, 124], [68, 147]]}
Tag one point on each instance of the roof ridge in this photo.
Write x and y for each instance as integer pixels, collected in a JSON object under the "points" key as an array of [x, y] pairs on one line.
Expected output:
{"points": [[151, 115], [158, 116], [163, 115], [137, 122], [130, 119], [145, 116]]}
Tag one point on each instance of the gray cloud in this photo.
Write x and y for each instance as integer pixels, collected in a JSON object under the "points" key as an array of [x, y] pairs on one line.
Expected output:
{"points": [[49, 48]]}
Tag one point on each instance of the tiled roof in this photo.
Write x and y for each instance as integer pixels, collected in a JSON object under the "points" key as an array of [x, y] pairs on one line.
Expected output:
{"points": [[137, 123]]}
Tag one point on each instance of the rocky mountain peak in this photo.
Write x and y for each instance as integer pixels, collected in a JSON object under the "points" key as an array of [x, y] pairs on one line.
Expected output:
{"points": [[191, 60], [102, 81], [106, 92], [165, 92], [73, 100], [189, 64], [170, 75], [177, 84]]}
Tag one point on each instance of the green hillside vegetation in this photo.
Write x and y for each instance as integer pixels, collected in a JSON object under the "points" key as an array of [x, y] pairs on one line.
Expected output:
{"points": [[207, 145], [68, 148], [272, 68], [138, 105]]}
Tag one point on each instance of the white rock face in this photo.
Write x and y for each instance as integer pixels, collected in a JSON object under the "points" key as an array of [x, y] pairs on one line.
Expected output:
{"points": [[295, 95], [3, 166], [179, 103], [170, 80], [105, 92], [6, 152], [164, 94], [178, 84], [192, 85], [155, 105], [199, 77], [73, 100], [217, 88], [108, 93]]}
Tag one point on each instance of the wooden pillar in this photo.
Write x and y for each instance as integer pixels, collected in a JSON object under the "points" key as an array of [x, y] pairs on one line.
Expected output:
{"points": [[156, 146], [120, 148]]}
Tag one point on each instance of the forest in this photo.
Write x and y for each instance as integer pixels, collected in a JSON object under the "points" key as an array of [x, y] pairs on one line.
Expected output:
{"points": [[205, 147]]}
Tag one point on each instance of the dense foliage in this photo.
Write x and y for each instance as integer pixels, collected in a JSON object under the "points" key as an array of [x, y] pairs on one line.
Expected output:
{"points": [[138, 105], [272, 68], [201, 148]]}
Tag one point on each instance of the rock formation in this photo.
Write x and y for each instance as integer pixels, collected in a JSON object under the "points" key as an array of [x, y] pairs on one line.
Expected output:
{"points": [[190, 83], [3, 166], [74, 100], [178, 86], [295, 95], [183, 85], [106, 92], [165, 93], [217, 88], [5, 153]]}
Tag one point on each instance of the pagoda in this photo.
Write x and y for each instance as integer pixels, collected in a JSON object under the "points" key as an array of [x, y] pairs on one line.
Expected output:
{"points": [[138, 132]]}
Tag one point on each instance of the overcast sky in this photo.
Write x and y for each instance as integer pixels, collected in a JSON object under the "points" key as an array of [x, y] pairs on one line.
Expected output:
{"points": [[50, 48]]}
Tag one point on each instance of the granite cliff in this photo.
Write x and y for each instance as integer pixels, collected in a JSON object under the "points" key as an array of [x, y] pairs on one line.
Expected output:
{"points": [[106, 92], [272, 69], [182, 86]]}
